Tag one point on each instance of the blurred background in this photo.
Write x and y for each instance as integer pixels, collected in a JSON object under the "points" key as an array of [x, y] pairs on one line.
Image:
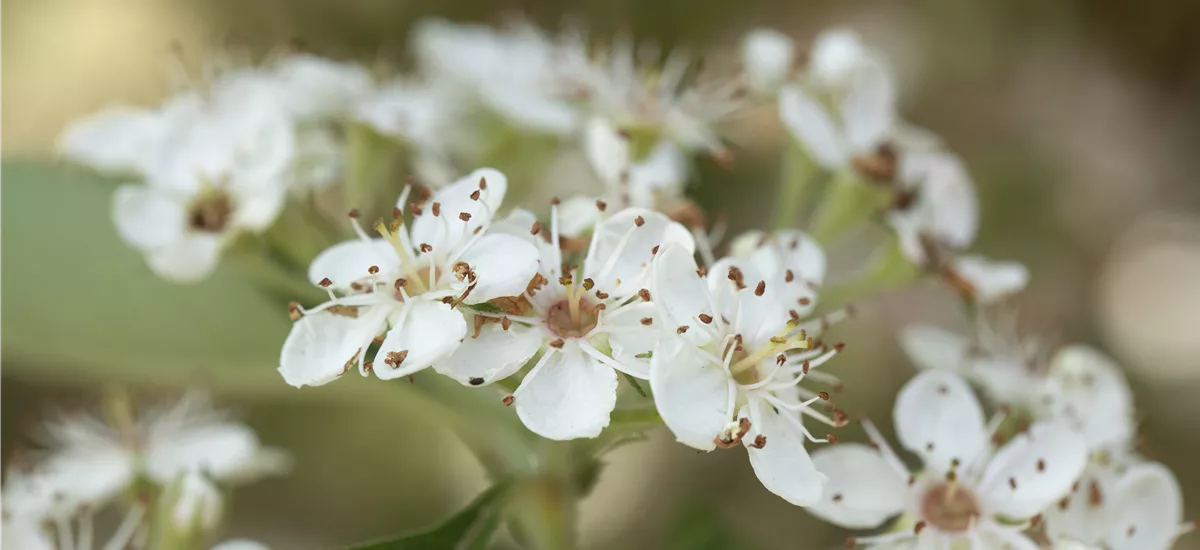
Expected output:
{"points": [[1079, 120]]}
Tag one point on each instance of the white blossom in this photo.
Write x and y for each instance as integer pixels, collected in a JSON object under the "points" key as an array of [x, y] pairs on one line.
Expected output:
{"points": [[966, 492], [732, 372], [587, 323], [836, 54], [655, 181], [767, 58], [1136, 506], [407, 285]]}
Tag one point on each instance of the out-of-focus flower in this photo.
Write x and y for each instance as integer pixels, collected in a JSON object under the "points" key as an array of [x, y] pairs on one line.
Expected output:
{"points": [[420, 116], [1087, 389], [768, 57], [411, 281], [587, 323], [656, 181], [732, 373], [965, 492], [241, 544], [1134, 507], [836, 54], [194, 506]]}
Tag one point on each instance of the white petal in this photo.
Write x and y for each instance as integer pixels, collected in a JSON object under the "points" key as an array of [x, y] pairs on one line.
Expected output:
{"points": [[503, 266], [992, 280], [679, 293], [690, 392], [1033, 470], [947, 206], [147, 218], [1001, 537], [223, 450], [939, 418], [933, 348], [240, 544], [660, 177], [257, 208], [836, 52], [320, 86], [628, 337], [189, 259], [606, 150], [767, 58], [322, 346], [863, 491], [772, 255], [113, 140], [87, 474], [782, 465], [577, 216], [869, 108], [1148, 510], [26, 533], [1087, 389], [429, 331], [811, 125], [571, 397], [1080, 519], [621, 250], [494, 355], [349, 261], [448, 230]]}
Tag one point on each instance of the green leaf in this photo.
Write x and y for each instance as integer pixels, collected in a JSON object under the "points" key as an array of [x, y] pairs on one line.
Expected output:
{"points": [[470, 529], [83, 307], [700, 528]]}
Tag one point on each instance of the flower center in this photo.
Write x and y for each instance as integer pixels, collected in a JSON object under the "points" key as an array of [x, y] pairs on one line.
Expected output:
{"points": [[949, 507], [211, 211], [572, 318], [879, 165]]}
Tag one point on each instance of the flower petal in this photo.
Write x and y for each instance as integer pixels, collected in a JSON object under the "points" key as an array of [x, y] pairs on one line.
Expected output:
{"points": [[447, 230], [503, 266], [869, 108], [939, 418], [226, 451], [930, 347], [494, 355], [606, 150], [690, 392], [863, 490], [188, 260], [240, 544], [767, 58], [947, 207], [427, 331], [258, 207], [1148, 509], [323, 346], [835, 54], [811, 125], [629, 336], [321, 87], [1088, 390], [113, 140], [679, 293], [147, 218], [991, 280], [1002, 537], [571, 397], [621, 249], [26, 533], [1033, 470], [782, 464], [348, 262]]}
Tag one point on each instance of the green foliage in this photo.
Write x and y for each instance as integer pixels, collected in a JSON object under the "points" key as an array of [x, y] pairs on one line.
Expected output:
{"points": [[470, 529], [700, 528]]}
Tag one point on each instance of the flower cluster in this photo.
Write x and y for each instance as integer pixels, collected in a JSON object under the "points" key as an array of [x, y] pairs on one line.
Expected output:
{"points": [[173, 461], [623, 288]]}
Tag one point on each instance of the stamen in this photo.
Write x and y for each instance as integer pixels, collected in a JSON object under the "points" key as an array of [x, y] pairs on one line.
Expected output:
{"points": [[532, 374]]}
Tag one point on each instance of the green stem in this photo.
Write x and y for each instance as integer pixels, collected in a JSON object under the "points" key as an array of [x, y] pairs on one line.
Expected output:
{"points": [[796, 176], [545, 509], [848, 201], [889, 269]]}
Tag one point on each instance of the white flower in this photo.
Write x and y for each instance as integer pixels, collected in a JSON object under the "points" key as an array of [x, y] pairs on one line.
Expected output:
{"points": [[588, 324], [197, 503], [767, 57], [70, 526], [114, 140], [836, 54], [859, 135], [411, 281], [1087, 389], [965, 490], [240, 544], [732, 373], [1138, 507], [789, 260], [654, 181]]}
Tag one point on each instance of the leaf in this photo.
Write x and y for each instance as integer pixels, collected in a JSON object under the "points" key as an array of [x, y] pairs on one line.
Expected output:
{"points": [[700, 528], [470, 529]]}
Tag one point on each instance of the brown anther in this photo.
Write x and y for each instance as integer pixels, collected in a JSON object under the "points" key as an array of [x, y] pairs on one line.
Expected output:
{"points": [[415, 208], [437, 209], [464, 216], [354, 213], [566, 280], [1041, 465], [1012, 482], [795, 315], [702, 271], [654, 250], [736, 276], [508, 400], [647, 321], [325, 283], [588, 284], [557, 344], [344, 311], [840, 418], [601, 295], [644, 294], [373, 269], [918, 527], [1095, 497], [823, 395], [760, 441], [639, 221], [804, 367], [761, 288], [425, 248], [505, 322], [294, 311], [804, 301], [483, 183], [601, 205], [475, 381], [448, 300], [833, 439], [788, 276], [837, 497], [780, 359], [475, 195], [1129, 532], [681, 329], [461, 270], [394, 358], [838, 347], [537, 228], [706, 318], [397, 212], [401, 283], [554, 201]]}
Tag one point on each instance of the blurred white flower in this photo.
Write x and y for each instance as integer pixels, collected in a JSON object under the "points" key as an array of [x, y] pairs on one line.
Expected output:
{"points": [[836, 54], [411, 280], [1135, 507], [1087, 389], [965, 492], [768, 57], [731, 374], [240, 544], [587, 323], [656, 181], [195, 504]]}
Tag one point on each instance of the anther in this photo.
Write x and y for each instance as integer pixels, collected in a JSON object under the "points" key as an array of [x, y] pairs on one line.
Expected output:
{"points": [[681, 329], [416, 209], [475, 195], [647, 321], [823, 395], [788, 276], [557, 344], [654, 250], [325, 283], [508, 400], [373, 269], [1012, 482], [437, 209], [778, 340], [461, 270], [505, 322], [565, 280], [761, 288], [795, 315], [639, 221], [354, 213], [804, 301], [601, 295], [760, 441], [401, 283], [832, 439], [838, 347], [837, 497], [482, 183], [394, 358], [537, 228], [702, 271], [464, 216], [644, 294], [1041, 465], [554, 201], [804, 367], [588, 284], [918, 527], [426, 248], [780, 359], [397, 212], [601, 205], [475, 381]]}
